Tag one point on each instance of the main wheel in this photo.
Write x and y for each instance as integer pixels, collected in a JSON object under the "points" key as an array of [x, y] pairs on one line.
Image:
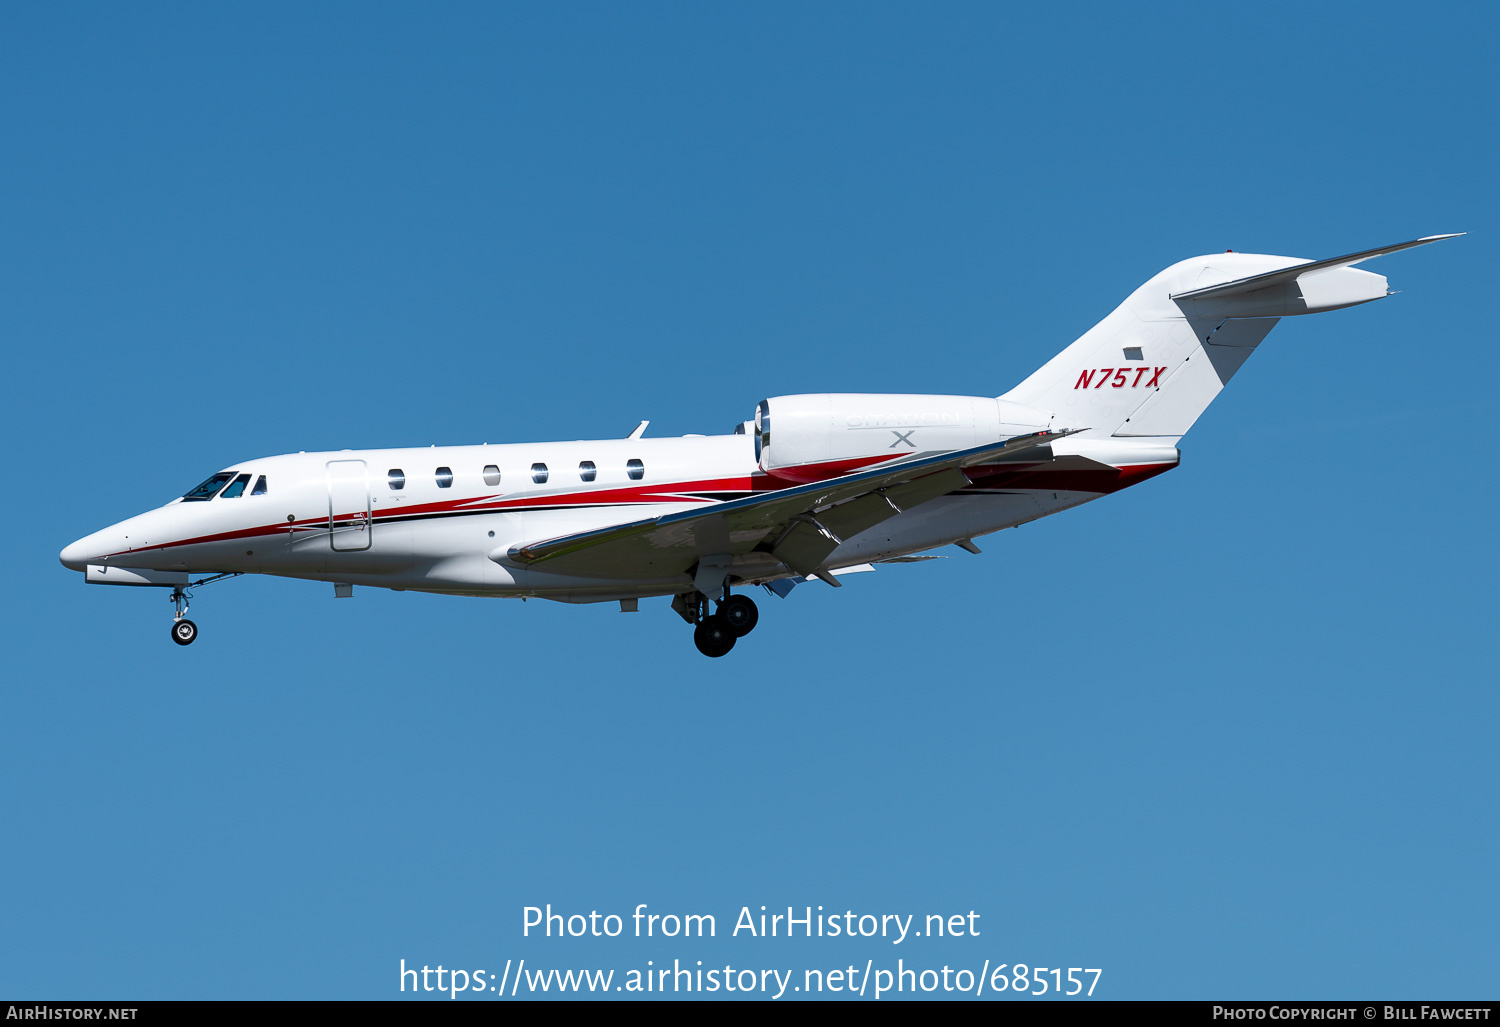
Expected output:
{"points": [[741, 613], [713, 636], [184, 631]]}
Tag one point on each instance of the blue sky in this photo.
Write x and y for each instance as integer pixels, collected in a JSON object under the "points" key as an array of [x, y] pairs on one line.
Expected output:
{"points": [[1228, 734]]}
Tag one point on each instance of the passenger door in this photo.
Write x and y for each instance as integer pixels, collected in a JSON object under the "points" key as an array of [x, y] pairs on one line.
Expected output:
{"points": [[349, 527]]}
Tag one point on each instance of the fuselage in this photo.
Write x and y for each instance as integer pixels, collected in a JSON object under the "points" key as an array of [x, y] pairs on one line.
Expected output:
{"points": [[445, 518]]}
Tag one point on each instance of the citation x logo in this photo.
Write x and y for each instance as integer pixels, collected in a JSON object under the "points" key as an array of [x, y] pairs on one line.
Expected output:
{"points": [[1121, 377]]}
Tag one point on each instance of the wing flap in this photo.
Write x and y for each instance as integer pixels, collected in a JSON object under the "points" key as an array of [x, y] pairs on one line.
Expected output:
{"points": [[813, 538], [849, 519], [915, 493], [805, 546]]}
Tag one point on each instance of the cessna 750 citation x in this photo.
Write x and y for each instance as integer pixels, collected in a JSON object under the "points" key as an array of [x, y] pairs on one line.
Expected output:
{"points": [[814, 487]]}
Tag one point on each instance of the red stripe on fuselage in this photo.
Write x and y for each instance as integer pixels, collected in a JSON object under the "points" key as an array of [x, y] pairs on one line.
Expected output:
{"points": [[807, 474], [674, 492], [1032, 476]]}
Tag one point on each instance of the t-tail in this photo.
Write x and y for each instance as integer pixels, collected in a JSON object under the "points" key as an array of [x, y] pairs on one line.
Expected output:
{"points": [[1154, 365]]}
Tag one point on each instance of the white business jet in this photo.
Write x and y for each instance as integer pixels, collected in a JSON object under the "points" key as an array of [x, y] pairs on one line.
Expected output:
{"points": [[815, 487]]}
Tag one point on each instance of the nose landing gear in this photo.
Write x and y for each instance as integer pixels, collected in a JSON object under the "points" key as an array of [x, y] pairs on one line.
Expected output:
{"points": [[184, 631]]}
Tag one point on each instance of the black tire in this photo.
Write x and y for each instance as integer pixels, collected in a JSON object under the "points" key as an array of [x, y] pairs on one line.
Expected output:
{"points": [[741, 613], [713, 636], [184, 631]]}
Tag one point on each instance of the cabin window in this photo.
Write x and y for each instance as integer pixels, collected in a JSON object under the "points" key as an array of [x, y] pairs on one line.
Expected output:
{"points": [[491, 474], [444, 477], [396, 479], [587, 471], [209, 488], [539, 473], [260, 486], [236, 488], [635, 469]]}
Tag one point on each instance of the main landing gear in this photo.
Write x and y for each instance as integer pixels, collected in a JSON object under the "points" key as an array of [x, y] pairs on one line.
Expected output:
{"points": [[184, 631], [740, 613], [715, 634]]}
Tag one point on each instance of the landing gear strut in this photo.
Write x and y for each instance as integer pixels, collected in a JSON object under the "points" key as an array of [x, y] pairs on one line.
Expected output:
{"points": [[715, 634], [184, 631]]}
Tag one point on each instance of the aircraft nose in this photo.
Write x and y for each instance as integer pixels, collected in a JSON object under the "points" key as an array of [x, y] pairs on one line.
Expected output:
{"points": [[89, 549], [130, 535], [74, 557]]}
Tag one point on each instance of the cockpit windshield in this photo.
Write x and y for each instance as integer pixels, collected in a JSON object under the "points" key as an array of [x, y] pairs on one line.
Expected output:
{"points": [[208, 489], [236, 488]]}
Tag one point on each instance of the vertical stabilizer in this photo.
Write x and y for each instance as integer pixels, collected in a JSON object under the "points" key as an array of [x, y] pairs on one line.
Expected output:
{"points": [[1158, 360]]}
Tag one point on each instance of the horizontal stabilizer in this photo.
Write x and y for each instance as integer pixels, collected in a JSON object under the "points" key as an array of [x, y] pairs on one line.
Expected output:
{"points": [[1264, 281]]}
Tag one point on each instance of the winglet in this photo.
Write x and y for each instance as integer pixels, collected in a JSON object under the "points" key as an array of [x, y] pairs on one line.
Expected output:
{"points": [[640, 430]]}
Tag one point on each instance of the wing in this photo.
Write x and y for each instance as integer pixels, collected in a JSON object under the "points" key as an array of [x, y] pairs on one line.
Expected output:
{"points": [[796, 527]]}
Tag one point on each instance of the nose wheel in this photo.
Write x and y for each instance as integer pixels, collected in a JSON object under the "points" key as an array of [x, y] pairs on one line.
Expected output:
{"points": [[184, 631]]}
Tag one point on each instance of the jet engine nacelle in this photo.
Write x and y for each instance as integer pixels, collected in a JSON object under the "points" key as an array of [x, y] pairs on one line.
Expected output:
{"points": [[812, 437]]}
